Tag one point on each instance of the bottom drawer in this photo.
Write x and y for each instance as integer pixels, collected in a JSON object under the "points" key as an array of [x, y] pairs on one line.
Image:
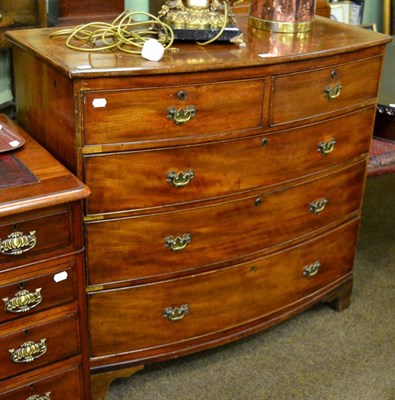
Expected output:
{"points": [[144, 318], [59, 384]]}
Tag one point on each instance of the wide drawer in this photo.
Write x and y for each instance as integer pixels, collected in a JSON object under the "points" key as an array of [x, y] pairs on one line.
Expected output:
{"points": [[34, 235], [323, 91], [57, 384], [37, 342], [169, 176], [136, 115], [167, 243], [41, 287], [148, 317]]}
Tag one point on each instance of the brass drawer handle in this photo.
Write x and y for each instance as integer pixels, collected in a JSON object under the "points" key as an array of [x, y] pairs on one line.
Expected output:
{"points": [[312, 269], [318, 206], [23, 301], [181, 116], [178, 243], [333, 92], [47, 396], [176, 313], [324, 148], [28, 352], [18, 243], [181, 179]]}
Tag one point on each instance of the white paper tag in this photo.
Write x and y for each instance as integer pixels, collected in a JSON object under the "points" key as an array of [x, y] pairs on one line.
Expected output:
{"points": [[99, 103], [60, 276], [14, 143], [86, 66]]}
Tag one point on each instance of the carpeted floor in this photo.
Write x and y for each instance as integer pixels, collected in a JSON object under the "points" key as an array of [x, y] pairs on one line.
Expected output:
{"points": [[318, 355]]}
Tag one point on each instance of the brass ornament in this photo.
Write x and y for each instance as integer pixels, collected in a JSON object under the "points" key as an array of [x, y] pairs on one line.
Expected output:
{"points": [[178, 243], [23, 301], [333, 92], [324, 148], [28, 352], [47, 396], [175, 314], [318, 206], [18, 243], [312, 269], [180, 179]]}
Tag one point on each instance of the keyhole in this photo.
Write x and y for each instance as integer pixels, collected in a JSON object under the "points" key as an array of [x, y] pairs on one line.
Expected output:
{"points": [[182, 95]]}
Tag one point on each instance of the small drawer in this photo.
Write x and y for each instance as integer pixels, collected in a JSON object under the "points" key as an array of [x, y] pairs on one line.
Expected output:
{"points": [[33, 235], [59, 385], [162, 244], [133, 180], [176, 312], [137, 115], [43, 287], [323, 91], [37, 342]]}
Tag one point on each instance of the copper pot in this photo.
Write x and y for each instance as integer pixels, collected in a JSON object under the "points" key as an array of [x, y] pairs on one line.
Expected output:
{"points": [[282, 15]]}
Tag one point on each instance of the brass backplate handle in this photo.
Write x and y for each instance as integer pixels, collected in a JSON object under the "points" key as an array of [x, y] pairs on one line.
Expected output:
{"points": [[312, 269], [18, 243], [23, 301], [181, 116], [318, 206], [332, 93], [180, 179], [324, 148], [47, 396], [178, 243], [28, 352], [175, 314]]}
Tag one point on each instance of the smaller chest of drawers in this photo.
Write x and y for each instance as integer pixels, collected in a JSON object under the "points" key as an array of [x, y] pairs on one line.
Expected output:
{"points": [[42, 323]]}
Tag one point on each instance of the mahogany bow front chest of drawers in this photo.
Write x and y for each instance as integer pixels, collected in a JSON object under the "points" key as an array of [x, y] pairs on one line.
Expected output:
{"points": [[43, 352], [226, 182]]}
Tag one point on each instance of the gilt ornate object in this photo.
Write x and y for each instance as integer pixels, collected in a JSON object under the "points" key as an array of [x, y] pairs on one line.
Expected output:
{"points": [[200, 19]]}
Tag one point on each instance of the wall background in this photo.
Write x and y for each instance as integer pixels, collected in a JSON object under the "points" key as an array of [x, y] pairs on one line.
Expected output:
{"points": [[373, 13]]}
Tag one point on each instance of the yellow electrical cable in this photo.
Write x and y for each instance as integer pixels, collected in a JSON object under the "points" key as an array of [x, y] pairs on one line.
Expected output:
{"points": [[222, 28], [124, 34]]}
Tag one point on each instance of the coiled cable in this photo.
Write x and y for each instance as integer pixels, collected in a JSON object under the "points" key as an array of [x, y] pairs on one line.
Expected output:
{"points": [[125, 33]]}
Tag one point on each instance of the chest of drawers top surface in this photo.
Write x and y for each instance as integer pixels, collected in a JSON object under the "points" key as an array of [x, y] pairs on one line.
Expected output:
{"points": [[263, 48], [32, 179]]}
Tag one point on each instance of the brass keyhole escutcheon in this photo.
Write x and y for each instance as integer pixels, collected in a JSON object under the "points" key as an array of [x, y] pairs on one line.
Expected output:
{"points": [[182, 95]]}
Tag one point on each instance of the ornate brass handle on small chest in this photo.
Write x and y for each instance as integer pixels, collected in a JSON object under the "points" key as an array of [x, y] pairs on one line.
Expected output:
{"points": [[327, 147], [176, 313], [178, 243], [332, 93], [28, 352], [318, 206], [23, 301], [312, 269], [181, 116], [47, 396], [18, 243], [180, 179]]}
